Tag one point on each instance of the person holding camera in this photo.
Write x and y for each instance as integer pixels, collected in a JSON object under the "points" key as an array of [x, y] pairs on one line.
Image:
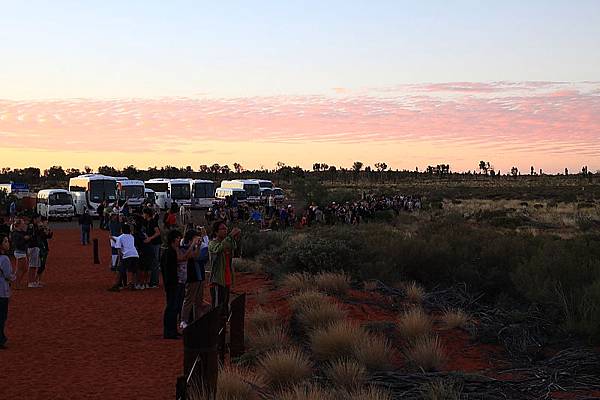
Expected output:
{"points": [[221, 250]]}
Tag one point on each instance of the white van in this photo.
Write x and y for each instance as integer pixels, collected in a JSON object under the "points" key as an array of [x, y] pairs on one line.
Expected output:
{"points": [[55, 203], [131, 191], [250, 186], [150, 196], [278, 194], [89, 190], [161, 191], [203, 193], [221, 194]]}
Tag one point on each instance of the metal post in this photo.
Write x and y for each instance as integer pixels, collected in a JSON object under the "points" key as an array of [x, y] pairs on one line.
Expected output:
{"points": [[96, 255], [238, 309], [200, 358]]}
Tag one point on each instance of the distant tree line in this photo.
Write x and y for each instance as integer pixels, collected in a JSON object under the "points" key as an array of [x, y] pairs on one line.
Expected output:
{"points": [[379, 172]]}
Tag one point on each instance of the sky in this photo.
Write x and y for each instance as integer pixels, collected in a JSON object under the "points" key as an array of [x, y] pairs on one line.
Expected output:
{"points": [[196, 82]]}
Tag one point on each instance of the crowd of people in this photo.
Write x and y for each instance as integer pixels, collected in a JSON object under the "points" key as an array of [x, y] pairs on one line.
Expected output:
{"points": [[26, 239]]}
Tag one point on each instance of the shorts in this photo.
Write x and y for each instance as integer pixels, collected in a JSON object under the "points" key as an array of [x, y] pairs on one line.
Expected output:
{"points": [[129, 264], [33, 253], [20, 254]]}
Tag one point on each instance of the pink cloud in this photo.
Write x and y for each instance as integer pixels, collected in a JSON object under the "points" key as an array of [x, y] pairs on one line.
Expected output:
{"points": [[548, 118]]}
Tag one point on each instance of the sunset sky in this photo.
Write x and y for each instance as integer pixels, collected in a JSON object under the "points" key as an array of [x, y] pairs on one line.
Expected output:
{"points": [[256, 82]]}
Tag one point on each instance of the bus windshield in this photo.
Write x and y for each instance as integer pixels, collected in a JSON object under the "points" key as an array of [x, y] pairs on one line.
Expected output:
{"points": [[180, 191], [204, 190], [252, 189], [60, 199], [264, 184], [103, 190], [132, 192], [158, 187]]}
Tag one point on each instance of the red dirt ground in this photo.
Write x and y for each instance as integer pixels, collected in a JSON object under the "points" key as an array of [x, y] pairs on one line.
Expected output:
{"points": [[75, 340]]}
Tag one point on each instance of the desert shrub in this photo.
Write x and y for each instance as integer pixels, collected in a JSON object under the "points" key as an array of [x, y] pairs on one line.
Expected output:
{"points": [[455, 318], [307, 299], [232, 384], [414, 292], [584, 205], [298, 281], [286, 367], [267, 339], [320, 316], [374, 352], [332, 282], [248, 265], [338, 340], [304, 392], [255, 242], [414, 323], [426, 353], [382, 216], [259, 318], [370, 393], [441, 390], [346, 374]]}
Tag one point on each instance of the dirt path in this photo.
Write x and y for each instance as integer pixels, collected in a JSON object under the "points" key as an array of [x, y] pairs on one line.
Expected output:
{"points": [[74, 340]]}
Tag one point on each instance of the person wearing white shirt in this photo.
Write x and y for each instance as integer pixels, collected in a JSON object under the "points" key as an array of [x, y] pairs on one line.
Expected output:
{"points": [[125, 243]]}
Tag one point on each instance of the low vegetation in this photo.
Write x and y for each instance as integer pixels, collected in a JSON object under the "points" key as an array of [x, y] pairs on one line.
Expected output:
{"points": [[284, 368], [337, 340], [346, 374], [320, 316], [426, 353], [455, 318], [414, 323]]}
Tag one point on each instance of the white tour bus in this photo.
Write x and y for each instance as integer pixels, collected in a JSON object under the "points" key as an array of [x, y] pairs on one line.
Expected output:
{"points": [[161, 192], [263, 183], [278, 194], [150, 195], [181, 191], [203, 193], [251, 187], [222, 193], [90, 190], [55, 203], [131, 191]]}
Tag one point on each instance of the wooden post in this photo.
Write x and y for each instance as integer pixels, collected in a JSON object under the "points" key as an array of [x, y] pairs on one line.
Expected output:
{"points": [[181, 390], [238, 310], [96, 255], [200, 352]]}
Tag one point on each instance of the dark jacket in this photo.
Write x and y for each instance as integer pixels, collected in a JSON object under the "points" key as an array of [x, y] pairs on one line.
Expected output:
{"points": [[85, 219], [168, 266], [18, 241]]}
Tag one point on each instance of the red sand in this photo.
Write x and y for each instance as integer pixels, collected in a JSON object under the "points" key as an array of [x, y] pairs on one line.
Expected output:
{"points": [[75, 340]]}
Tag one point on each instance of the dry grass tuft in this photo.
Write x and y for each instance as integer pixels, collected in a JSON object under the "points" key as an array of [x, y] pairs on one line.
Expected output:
{"points": [[346, 374], [374, 352], [260, 318], [455, 318], [307, 299], [298, 282], [320, 316], [426, 353], [273, 338], [333, 282], [370, 285], [338, 340], [233, 384], [370, 393], [441, 390], [414, 292], [283, 368], [414, 323], [304, 392], [248, 265]]}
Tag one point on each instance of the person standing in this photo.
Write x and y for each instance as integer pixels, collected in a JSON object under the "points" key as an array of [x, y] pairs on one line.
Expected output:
{"points": [[33, 250], [114, 227], [125, 243], [153, 239], [19, 241], [86, 223], [45, 233], [7, 275], [221, 250], [173, 289], [100, 211], [194, 285]]}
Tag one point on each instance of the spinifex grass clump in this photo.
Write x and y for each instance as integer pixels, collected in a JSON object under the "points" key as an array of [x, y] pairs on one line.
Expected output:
{"points": [[260, 318], [267, 339], [370, 393], [426, 353], [305, 392], [414, 292], [338, 340], [284, 368], [346, 374], [333, 282], [414, 323], [235, 383], [441, 390], [455, 318], [307, 299], [374, 352], [320, 316], [298, 282]]}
